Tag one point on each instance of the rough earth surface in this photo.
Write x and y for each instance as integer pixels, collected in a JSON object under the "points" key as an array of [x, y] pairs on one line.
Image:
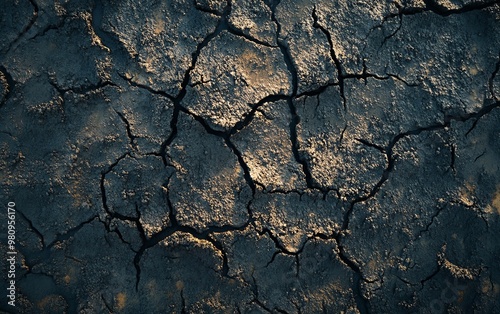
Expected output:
{"points": [[263, 156]]}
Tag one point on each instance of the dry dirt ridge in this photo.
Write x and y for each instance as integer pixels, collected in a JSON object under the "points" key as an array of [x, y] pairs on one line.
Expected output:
{"points": [[261, 156]]}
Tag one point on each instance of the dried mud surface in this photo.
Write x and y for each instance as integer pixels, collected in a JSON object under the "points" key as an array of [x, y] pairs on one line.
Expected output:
{"points": [[261, 156]]}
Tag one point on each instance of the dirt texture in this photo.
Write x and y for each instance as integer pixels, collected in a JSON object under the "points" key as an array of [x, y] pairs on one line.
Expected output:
{"points": [[260, 156]]}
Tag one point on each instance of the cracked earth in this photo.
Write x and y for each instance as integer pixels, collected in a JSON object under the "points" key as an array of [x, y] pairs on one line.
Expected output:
{"points": [[260, 156]]}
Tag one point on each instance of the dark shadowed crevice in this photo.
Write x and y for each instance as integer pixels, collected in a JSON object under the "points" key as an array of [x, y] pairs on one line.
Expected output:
{"points": [[365, 75], [32, 227], [392, 34], [453, 156], [475, 115], [248, 118], [53, 27], [83, 89], [225, 136], [431, 275], [395, 76], [296, 149], [372, 145], [115, 215], [177, 100], [221, 26], [362, 303], [119, 234], [183, 303], [61, 237], [333, 55], [317, 91], [433, 217], [11, 84], [173, 134], [243, 165], [131, 136], [391, 158], [131, 81], [285, 51], [102, 185], [108, 307], [435, 7], [255, 291], [237, 32], [492, 78], [287, 57]]}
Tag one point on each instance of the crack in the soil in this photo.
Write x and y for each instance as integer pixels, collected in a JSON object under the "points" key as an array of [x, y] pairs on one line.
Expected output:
{"points": [[60, 237], [102, 186], [317, 91], [51, 27], [239, 33], [391, 158], [108, 307], [453, 156], [25, 30], [81, 90], [248, 117], [183, 303], [114, 46], [310, 182], [118, 233], [115, 215], [285, 51], [433, 6], [131, 136], [387, 37], [11, 84], [226, 136], [372, 145], [205, 9], [333, 55], [130, 80], [434, 216], [430, 276], [390, 166], [255, 291], [171, 137], [205, 235], [177, 100], [36, 258], [32, 227], [221, 26], [243, 165], [437, 8], [362, 303], [492, 78]]}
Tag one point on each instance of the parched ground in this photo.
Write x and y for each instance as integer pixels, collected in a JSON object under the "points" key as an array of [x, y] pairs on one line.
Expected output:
{"points": [[252, 156]]}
